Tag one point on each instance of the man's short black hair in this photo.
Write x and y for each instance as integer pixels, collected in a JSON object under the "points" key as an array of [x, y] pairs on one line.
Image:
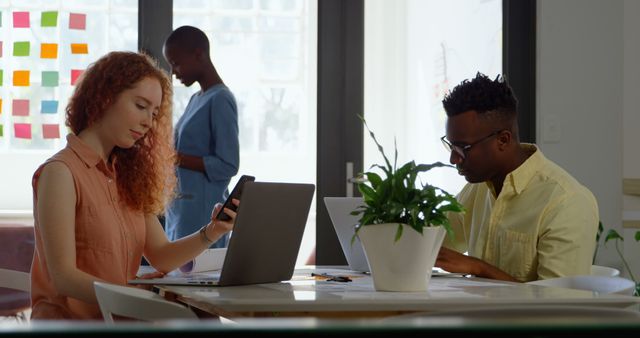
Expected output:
{"points": [[188, 38], [490, 98]]}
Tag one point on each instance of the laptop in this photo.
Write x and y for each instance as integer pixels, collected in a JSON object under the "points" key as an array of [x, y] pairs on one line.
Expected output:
{"points": [[266, 238], [340, 209]]}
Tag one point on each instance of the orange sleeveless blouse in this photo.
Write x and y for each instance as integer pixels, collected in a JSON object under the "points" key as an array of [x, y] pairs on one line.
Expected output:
{"points": [[109, 236]]}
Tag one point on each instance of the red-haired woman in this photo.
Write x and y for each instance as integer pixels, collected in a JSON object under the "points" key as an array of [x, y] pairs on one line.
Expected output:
{"points": [[96, 201]]}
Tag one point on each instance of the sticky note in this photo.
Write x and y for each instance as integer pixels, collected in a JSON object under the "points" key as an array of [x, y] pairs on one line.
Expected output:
{"points": [[0, 106], [49, 50], [20, 19], [1, 131], [49, 19], [50, 131], [1, 76], [22, 130], [50, 79], [21, 78], [20, 108], [21, 48], [79, 48], [49, 107], [77, 21], [0, 49], [75, 74]]}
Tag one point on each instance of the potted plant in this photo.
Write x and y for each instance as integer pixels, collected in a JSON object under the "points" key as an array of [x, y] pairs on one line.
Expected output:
{"points": [[612, 234], [403, 223]]}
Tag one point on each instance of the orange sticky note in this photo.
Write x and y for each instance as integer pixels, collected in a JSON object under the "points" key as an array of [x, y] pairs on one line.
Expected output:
{"points": [[49, 50], [0, 106], [79, 48], [21, 78], [50, 131], [22, 130], [75, 74]]}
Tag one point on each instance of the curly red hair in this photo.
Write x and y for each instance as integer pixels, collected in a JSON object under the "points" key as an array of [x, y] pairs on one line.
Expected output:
{"points": [[145, 172]]}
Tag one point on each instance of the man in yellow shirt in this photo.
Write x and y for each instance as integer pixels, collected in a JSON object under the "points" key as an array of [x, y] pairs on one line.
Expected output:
{"points": [[526, 218]]}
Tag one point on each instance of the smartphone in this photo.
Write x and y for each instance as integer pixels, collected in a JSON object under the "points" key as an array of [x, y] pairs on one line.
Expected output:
{"points": [[235, 193]]}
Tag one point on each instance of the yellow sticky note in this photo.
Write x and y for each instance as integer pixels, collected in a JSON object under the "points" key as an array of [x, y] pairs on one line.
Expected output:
{"points": [[21, 78], [49, 50], [79, 48]]}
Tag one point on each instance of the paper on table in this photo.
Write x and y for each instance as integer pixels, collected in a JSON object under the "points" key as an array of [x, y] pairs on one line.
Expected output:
{"points": [[209, 260]]}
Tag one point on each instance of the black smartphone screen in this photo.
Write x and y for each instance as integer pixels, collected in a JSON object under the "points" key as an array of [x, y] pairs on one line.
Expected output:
{"points": [[235, 193]]}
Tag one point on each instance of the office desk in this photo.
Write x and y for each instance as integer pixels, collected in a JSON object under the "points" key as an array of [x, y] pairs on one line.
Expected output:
{"points": [[308, 297]]}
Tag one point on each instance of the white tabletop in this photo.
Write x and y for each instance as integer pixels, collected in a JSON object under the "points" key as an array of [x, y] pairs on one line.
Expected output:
{"points": [[307, 295]]}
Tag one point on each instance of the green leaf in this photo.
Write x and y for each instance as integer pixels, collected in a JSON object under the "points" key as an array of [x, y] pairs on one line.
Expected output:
{"points": [[637, 236], [395, 148], [375, 179], [600, 230], [380, 149], [398, 233], [612, 234]]}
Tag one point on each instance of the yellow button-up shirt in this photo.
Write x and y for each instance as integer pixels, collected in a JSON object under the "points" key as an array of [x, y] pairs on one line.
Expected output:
{"points": [[542, 225]]}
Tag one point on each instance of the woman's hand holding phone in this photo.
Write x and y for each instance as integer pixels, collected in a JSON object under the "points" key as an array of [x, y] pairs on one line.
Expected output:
{"points": [[220, 227]]}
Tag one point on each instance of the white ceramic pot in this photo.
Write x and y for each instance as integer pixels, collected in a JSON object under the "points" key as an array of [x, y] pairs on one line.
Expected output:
{"points": [[404, 265]]}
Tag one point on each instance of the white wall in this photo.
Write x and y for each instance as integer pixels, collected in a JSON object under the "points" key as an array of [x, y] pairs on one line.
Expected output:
{"points": [[580, 97], [631, 121]]}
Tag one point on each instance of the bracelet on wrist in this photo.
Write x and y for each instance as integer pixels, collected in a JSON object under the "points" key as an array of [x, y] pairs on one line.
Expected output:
{"points": [[203, 234]]}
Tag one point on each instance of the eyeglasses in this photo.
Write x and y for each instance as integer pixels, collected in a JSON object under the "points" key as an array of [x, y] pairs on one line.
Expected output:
{"points": [[462, 150]]}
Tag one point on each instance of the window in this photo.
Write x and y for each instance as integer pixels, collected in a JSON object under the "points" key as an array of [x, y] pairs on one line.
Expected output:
{"points": [[415, 51], [265, 52], [44, 47]]}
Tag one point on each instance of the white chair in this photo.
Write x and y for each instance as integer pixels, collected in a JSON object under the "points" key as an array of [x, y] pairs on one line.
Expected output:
{"points": [[599, 270], [600, 284], [137, 304], [15, 280], [15, 303]]}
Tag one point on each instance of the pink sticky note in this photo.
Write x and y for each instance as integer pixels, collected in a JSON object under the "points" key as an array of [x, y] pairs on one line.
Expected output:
{"points": [[20, 108], [75, 74], [22, 130], [50, 131], [77, 21], [0, 49], [20, 19]]}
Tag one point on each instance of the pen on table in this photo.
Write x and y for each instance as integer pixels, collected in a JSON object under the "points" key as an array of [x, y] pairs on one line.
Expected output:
{"points": [[333, 278]]}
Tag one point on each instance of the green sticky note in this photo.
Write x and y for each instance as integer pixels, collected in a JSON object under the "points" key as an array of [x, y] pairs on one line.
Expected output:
{"points": [[1, 131], [1, 77], [49, 79], [49, 19], [21, 48]]}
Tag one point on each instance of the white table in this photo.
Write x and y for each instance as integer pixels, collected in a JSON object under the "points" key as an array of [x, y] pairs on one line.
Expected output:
{"points": [[306, 296]]}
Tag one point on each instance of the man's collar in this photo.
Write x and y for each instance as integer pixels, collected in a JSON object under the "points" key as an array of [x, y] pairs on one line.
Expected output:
{"points": [[520, 177]]}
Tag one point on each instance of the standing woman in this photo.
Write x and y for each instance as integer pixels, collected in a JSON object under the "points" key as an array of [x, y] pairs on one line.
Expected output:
{"points": [[96, 201]]}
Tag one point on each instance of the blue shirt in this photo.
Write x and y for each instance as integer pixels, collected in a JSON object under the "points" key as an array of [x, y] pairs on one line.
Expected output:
{"points": [[208, 129]]}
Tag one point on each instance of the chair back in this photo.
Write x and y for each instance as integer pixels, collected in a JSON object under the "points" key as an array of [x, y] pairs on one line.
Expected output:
{"points": [[137, 304], [600, 284], [599, 270], [15, 280], [16, 254]]}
